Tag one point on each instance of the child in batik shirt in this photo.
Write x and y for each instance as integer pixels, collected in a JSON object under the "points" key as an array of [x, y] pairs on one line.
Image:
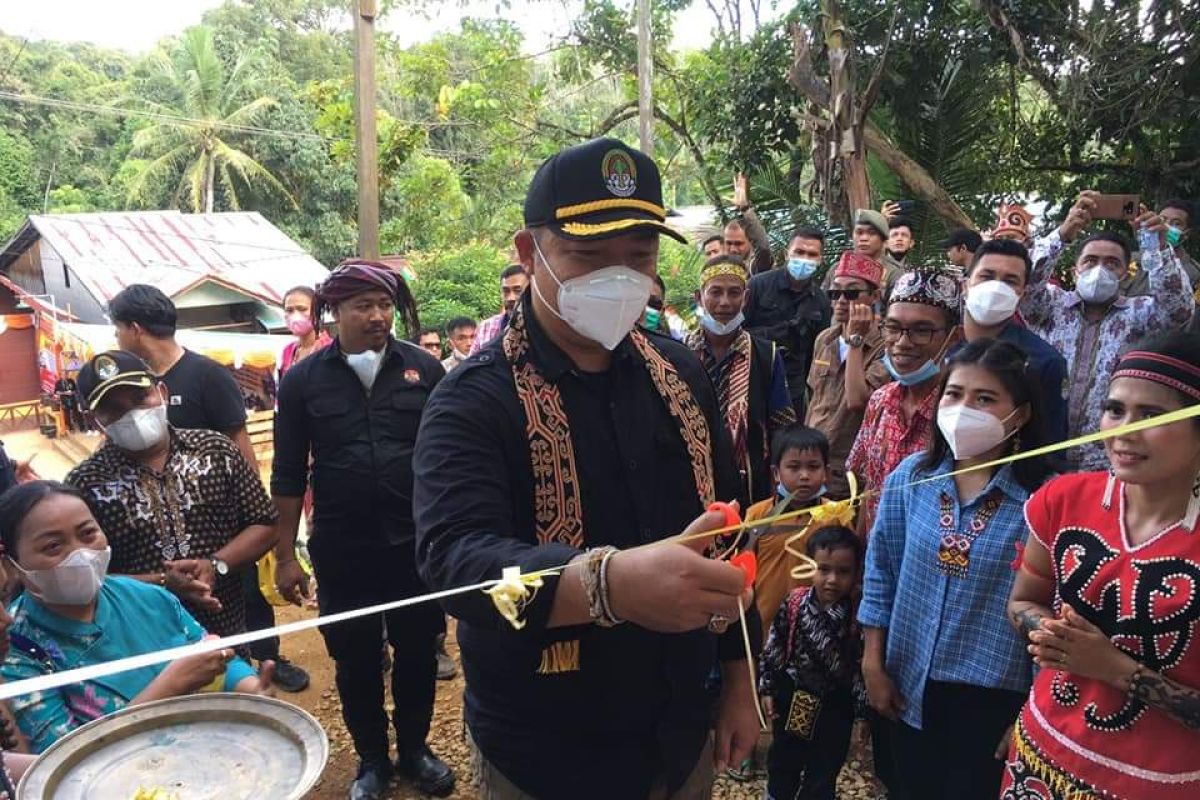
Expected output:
{"points": [[810, 679]]}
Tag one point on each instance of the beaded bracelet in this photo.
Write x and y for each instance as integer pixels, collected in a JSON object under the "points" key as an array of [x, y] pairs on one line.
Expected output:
{"points": [[595, 586], [611, 617]]}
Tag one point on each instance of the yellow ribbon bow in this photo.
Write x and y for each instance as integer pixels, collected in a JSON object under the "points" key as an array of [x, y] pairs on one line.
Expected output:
{"points": [[514, 593], [840, 512]]}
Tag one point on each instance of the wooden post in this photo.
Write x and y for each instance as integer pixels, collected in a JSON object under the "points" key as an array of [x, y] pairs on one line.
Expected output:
{"points": [[367, 144], [645, 72]]}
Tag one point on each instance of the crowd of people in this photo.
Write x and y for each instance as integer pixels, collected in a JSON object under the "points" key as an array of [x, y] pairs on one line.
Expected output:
{"points": [[1001, 624]]}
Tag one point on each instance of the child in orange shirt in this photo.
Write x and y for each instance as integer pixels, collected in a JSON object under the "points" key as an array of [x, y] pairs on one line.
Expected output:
{"points": [[800, 465]]}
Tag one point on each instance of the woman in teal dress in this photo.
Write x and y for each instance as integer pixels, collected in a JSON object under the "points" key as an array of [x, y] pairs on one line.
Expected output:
{"points": [[72, 614]]}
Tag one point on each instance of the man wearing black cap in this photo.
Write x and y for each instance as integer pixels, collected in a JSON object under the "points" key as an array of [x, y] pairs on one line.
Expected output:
{"points": [[568, 442], [352, 412], [870, 235], [960, 246], [181, 508]]}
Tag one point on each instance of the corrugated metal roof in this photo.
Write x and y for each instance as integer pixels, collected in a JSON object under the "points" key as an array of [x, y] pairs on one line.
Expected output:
{"points": [[174, 251]]}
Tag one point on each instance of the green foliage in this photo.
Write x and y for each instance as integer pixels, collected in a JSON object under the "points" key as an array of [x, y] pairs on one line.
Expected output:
{"points": [[194, 83], [16, 168], [463, 281], [424, 208]]}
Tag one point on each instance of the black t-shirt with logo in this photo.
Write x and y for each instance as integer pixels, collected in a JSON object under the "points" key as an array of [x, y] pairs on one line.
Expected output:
{"points": [[203, 394]]}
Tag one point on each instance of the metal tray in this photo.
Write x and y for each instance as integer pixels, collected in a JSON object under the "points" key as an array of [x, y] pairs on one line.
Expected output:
{"points": [[198, 747]]}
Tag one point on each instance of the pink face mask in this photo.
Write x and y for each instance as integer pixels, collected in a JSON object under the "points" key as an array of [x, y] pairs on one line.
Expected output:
{"points": [[300, 326]]}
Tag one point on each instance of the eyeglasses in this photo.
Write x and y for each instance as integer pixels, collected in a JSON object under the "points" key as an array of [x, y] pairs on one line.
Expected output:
{"points": [[919, 336], [849, 294]]}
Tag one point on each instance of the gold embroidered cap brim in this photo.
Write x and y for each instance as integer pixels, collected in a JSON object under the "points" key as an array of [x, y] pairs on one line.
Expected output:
{"points": [[600, 230], [138, 380]]}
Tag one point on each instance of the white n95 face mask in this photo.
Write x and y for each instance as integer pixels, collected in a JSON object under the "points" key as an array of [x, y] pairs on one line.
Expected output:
{"points": [[602, 305], [969, 431], [140, 429], [1097, 285], [365, 365], [74, 581], [991, 302]]}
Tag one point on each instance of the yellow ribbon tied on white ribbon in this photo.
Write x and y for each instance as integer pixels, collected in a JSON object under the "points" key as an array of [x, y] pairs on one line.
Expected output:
{"points": [[514, 593], [840, 512]]}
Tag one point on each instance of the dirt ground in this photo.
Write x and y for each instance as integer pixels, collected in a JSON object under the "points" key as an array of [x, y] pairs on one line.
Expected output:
{"points": [[446, 739]]}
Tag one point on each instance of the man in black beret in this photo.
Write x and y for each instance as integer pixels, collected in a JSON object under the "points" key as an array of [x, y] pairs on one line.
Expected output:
{"points": [[572, 439]]}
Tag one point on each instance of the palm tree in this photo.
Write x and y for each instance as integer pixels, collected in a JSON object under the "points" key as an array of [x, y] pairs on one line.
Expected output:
{"points": [[198, 150]]}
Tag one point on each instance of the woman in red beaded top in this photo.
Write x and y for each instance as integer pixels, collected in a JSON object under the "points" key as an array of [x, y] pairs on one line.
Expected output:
{"points": [[1109, 596]]}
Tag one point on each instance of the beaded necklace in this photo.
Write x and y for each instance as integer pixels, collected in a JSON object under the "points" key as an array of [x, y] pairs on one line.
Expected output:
{"points": [[954, 549]]}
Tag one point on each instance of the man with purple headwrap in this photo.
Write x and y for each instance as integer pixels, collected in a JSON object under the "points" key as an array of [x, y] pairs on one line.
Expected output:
{"points": [[355, 407]]}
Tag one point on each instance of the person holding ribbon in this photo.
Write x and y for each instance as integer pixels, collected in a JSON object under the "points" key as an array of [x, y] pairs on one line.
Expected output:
{"points": [[73, 614], [747, 371], [354, 409], [940, 664], [920, 326], [576, 444], [1108, 594]]}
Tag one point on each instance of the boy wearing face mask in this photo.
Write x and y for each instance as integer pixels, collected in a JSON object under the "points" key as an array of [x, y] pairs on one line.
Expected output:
{"points": [[996, 280], [1091, 324], [748, 373], [181, 507], [786, 306]]}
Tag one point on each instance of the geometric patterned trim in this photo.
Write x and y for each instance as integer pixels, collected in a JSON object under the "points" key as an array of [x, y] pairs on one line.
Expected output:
{"points": [[1112, 763], [557, 502], [693, 426], [558, 510]]}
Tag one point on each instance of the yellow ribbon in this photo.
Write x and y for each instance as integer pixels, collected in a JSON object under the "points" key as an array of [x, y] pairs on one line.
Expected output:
{"points": [[838, 510], [515, 592]]}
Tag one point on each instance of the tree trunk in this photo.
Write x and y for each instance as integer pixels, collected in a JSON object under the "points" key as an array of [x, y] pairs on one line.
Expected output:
{"points": [[845, 136], [827, 139], [210, 173], [915, 176]]}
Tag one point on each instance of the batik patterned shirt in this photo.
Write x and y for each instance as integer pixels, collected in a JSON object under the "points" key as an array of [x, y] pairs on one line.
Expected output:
{"points": [[885, 439], [205, 496], [1092, 348]]}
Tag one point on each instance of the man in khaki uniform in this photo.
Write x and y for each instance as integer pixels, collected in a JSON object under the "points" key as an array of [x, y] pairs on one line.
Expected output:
{"points": [[847, 362]]}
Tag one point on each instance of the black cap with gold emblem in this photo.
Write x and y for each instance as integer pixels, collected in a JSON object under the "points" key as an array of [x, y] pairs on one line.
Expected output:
{"points": [[596, 190], [109, 370]]}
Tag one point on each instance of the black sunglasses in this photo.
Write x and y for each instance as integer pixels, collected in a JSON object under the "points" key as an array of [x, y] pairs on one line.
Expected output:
{"points": [[849, 294]]}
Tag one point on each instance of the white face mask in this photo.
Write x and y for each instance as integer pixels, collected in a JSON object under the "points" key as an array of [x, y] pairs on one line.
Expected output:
{"points": [[970, 431], [74, 581], [602, 305], [721, 329], [1097, 285], [140, 429], [991, 302], [365, 365]]}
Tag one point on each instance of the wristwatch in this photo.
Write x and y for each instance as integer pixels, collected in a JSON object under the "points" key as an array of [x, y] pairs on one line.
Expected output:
{"points": [[856, 340], [219, 566]]}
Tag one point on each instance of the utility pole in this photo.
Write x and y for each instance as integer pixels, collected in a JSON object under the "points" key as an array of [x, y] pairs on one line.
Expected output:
{"points": [[645, 73], [367, 144]]}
